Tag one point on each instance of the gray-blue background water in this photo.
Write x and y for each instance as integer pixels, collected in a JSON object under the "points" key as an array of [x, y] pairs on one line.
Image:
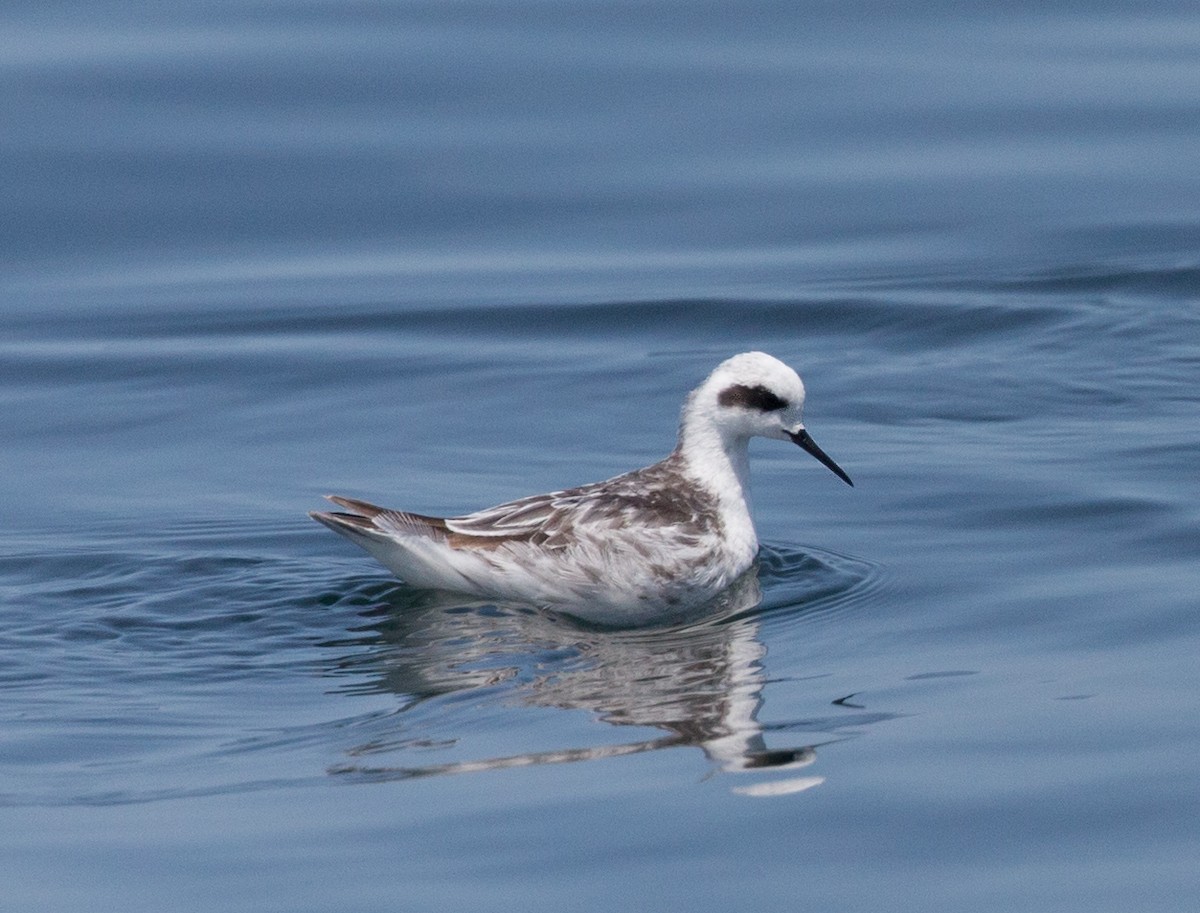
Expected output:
{"points": [[439, 255]]}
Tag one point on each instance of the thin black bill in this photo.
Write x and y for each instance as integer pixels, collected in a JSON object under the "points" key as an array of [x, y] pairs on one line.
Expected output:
{"points": [[804, 440]]}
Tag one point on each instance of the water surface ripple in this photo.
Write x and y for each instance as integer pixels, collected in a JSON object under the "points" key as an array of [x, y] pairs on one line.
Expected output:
{"points": [[160, 637], [444, 255]]}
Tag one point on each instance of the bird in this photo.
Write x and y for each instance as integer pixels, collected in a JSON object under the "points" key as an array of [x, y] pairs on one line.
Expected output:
{"points": [[652, 545]]}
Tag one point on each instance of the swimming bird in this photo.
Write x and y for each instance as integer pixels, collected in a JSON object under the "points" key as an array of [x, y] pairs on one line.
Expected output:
{"points": [[642, 547]]}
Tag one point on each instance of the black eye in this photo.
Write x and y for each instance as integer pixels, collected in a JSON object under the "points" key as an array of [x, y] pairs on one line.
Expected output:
{"points": [[758, 397]]}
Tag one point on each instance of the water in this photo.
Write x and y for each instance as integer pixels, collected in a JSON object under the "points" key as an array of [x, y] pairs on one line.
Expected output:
{"points": [[441, 255]]}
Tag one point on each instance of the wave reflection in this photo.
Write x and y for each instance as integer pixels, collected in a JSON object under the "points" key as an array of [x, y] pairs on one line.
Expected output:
{"points": [[698, 685]]}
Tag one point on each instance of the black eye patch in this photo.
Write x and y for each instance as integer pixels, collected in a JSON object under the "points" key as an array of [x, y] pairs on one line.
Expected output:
{"points": [[758, 397]]}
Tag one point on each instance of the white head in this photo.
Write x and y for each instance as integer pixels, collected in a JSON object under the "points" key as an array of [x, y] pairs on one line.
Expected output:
{"points": [[753, 395]]}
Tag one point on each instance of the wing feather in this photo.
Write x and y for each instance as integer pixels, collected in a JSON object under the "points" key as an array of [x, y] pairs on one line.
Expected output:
{"points": [[649, 498]]}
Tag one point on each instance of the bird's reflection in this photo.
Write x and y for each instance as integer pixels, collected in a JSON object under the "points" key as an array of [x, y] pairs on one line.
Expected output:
{"points": [[697, 685]]}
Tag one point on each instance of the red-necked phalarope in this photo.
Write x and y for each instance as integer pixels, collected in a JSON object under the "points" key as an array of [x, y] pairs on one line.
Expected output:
{"points": [[641, 547]]}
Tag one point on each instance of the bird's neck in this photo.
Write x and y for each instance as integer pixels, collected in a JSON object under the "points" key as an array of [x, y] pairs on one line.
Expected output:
{"points": [[718, 462]]}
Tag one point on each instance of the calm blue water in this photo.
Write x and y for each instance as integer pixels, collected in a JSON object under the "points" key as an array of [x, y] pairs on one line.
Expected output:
{"points": [[439, 255]]}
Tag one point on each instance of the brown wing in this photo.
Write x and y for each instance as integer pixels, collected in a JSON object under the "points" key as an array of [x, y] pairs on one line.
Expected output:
{"points": [[370, 517], [650, 497]]}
